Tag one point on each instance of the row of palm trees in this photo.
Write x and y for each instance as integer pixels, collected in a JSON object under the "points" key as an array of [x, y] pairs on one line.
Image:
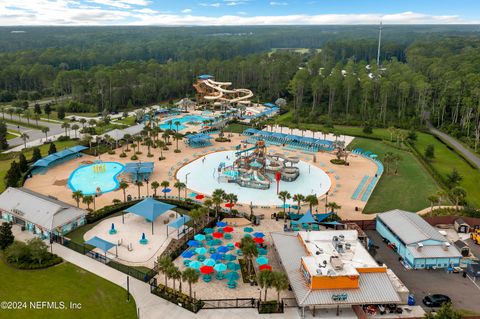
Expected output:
{"points": [[85, 199], [311, 200], [171, 271]]}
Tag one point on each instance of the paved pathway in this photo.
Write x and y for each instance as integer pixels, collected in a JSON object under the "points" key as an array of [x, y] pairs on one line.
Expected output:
{"points": [[151, 306], [462, 149]]}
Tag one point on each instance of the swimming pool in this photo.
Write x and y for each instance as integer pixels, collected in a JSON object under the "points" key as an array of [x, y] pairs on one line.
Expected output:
{"points": [[89, 178], [203, 177], [193, 119]]}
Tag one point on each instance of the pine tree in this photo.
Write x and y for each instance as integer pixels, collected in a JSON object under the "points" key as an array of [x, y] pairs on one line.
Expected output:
{"points": [[52, 149], [6, 236], [13, 175], [3, 136], [36, 154], [22, 163]]}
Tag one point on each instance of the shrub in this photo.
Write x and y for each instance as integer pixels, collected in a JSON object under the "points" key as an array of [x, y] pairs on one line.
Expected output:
{"points": [[134, 157], [30, 255], [177, 151], [63, 138], [123, 155], [161, 158], [367, 128], [337, 161], [222, 139], [111, 152]]}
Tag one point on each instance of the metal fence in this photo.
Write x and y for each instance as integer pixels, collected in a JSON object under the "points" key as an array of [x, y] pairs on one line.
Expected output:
{"points": [[229, 303]]}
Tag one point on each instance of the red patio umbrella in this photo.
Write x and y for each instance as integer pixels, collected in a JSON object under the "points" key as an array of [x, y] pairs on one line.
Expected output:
{"points": [[265, 267], [227, 229], [217, 234], [200, 196], [237, 244], [228, 205], [258, 240], [206, 270]]}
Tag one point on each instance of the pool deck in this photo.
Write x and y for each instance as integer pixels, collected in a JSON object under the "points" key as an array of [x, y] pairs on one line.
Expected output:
{"points": [[345, 179]]}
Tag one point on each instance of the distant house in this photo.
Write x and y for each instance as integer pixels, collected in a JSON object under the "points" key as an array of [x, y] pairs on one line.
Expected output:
{"points": [[462, 247], [416, 241], [461, 226], [39, 214]]}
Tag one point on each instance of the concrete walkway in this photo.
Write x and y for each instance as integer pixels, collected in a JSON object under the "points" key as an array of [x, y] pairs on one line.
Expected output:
{"points": [[153, 307], [457, 145]]}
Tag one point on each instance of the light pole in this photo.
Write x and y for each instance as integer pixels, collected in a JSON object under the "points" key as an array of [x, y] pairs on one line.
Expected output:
{"points": [[326, 201], [186, 184]]}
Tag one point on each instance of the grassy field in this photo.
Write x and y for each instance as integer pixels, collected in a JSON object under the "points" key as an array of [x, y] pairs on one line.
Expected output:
{"points": [[98, 297], [235, 128], [446, 159], [408, 190], [6, 159], [10, 136], [131, 120]]}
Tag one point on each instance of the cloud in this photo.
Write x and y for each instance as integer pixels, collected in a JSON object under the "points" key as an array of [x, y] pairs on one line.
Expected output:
{"points": [[188, 10], [275, 3], [215, 5], [123, 4], [71, 12]]}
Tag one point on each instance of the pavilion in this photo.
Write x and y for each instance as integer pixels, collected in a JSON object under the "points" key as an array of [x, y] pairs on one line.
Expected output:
{"points": [[290, 139], [139, 171], [102, 244], [48, 161], [198, 140], [178, 223], [150, 209]]}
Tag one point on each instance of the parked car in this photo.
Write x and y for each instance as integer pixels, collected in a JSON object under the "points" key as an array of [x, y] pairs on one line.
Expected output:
{"points": [[435, 300]]}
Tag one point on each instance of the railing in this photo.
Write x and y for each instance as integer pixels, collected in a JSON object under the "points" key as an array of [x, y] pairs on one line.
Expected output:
{"points": [[229, 303], [289, 303]]}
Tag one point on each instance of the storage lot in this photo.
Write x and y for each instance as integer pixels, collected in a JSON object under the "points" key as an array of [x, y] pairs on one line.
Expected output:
{"points": [[464, 294]]}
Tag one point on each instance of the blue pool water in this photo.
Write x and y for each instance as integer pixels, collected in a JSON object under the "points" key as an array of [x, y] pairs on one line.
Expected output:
{"points": [[87, 179], [185, 119]]}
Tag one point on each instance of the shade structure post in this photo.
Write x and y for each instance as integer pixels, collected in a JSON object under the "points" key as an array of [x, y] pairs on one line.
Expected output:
{"points": [[152, 226], [116, 251]]}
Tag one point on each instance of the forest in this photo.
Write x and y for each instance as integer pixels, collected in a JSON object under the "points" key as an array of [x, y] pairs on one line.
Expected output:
{"points": [[425, 72]]}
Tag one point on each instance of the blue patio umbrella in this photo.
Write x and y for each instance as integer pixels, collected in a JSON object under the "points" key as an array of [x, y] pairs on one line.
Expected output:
{"points": [[223, 249], [195, 264], [192, 194], [201, 251], [166, 190], [216, 256], [285, 206], [230, 257], [247, 235], [221, 224], [211, 242], [188, 254], [208, 230], [232, 275], [262, 251], [262, 260], [258, 235], [248, 229], [199, 237], [217, 242], [209, 262], [193, 243], [220, 267]]}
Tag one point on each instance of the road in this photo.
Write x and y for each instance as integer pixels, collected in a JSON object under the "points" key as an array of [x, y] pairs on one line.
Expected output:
{"points": [[34, 135], [457, 145]]}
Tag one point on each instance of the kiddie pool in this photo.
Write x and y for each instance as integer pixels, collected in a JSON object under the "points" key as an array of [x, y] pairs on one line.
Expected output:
{"points": [[87, 180]]}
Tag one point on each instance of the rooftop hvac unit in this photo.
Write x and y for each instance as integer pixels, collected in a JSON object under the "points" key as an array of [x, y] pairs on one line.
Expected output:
{"points": [[336, 263], [341, 237], [348, 246], [335, 239], [446, 245], [331, 272], [319, 271], [419, 246], [340, 248]]}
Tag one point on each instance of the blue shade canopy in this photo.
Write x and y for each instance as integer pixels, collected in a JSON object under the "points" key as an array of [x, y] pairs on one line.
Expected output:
{"points": [[193, 243], [221, 224], [47, 160], [179, 222], [269, 104], [262, 260], [139, 168], [100, 243], [321, 217], [331, 223], [306, 219], [188, 254], [150, 209]]}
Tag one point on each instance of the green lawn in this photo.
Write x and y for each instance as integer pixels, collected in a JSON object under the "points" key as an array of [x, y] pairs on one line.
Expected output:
{"points": [[66, 282], [446, 159], [236, 128], [408, 190], [10, 136], [131, 120]]}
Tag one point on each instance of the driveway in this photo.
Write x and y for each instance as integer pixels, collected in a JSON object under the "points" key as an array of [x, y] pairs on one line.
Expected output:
{"points": [[462, 291]]}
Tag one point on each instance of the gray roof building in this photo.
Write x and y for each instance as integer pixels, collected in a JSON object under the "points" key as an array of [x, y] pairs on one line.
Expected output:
{"points": [[43, 211], [409, 227]]}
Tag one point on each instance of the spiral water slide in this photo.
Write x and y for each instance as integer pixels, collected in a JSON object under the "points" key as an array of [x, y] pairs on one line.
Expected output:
{"points": [[221, 88]]}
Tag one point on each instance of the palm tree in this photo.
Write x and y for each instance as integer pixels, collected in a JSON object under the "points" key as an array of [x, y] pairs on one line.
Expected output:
{"points": [[92, 122], [177, 137], [169, 122], [299, 198], [458, 194], [87, 200], [155, 185], [179, 185], [333, 206], [231, 199], [388, 159], [27, 114], [139, 184], [191, 277], [280, 283], [66, 126], [161, 145], [149, 143], [77, 196], [249, 250], [24, 137], [218, 196], [164, 263], [165, 184], [177, 124], [83, 121], [88, 138], [123, 186], [11, 111], [175, 274], [283, 196], [75, 127], [138, 139], [127, 138], [45, 131], [265, 280], [433, 199], [312, 200]]}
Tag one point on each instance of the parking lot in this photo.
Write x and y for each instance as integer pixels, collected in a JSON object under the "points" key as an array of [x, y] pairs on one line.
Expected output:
{"points": [[464, 294]]}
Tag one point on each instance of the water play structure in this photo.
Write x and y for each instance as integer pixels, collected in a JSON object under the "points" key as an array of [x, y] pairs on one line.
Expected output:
{"points": [[255, 168], [209, 90]]}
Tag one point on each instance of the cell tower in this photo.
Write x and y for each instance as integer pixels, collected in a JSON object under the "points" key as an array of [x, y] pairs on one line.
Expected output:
{"points": [[379, 43]]}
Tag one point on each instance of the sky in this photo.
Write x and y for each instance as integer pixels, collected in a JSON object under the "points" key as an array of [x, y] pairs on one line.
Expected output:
{"points": [[237, 12]]}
